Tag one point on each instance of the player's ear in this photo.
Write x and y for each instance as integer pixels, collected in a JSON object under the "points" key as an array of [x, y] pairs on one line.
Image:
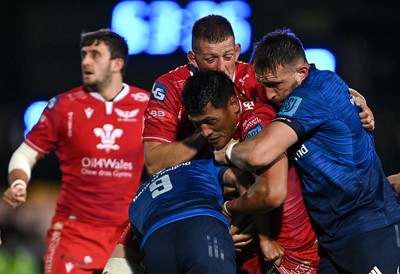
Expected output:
{"points": [[233, 103], [118, 64], [302, 71], [191, 57], [238, 49]]}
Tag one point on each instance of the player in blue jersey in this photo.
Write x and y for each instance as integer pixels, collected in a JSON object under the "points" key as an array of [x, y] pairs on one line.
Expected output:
{"points": [[355, 209], [177, 218]]}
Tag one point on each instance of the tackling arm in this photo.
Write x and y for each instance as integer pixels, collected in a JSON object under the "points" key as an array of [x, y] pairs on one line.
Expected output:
{"points": [[161, 155]]}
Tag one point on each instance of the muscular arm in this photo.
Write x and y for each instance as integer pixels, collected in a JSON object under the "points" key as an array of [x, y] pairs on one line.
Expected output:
{"points": [[267, 192], [161, 155], [264, 148]]}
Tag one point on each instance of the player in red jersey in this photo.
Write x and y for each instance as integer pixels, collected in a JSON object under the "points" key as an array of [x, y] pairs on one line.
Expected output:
{"points": [[221, 115], [96, 131]]}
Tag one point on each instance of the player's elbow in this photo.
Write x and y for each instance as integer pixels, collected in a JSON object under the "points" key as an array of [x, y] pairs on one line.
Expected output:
{"points": [[276, 199]]}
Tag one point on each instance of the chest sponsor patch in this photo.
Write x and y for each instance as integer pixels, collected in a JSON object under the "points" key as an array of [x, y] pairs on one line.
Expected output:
{"points": [[290, 106]]}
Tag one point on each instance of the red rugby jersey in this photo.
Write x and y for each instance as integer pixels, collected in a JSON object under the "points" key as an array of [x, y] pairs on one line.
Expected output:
{"points": [[100, 151], [166, 119]]}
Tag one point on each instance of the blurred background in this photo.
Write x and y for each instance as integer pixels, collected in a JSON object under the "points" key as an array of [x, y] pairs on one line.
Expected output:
{"points": [[40, 58]]}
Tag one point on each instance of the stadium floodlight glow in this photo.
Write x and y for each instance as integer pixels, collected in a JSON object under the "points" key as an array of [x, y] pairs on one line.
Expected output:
{"points": [[322, 58], [161, 27], [32, 115]]}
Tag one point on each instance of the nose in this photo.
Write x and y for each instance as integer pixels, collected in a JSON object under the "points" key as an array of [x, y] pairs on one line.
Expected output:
{"points": [[270, 93], [85, 60], [205, 130], [220, 66]]}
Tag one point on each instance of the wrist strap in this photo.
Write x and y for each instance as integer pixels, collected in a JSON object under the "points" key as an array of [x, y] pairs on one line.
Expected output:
{"points": [[18, 183], [228, 152], [226, 209]]}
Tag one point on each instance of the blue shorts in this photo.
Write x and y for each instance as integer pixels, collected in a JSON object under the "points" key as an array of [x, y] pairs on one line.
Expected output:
{"points": [[196, 245], [370, 253]]}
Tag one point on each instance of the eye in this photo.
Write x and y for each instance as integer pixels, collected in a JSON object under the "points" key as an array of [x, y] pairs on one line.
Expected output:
{"points": [[209, 60], [228, 57]]}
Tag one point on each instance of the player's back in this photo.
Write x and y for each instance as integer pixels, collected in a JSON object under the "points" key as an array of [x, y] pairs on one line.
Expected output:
{"points": [[188, 189]]}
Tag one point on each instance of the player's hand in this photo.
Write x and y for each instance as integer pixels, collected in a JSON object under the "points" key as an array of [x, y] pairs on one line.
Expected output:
{"points": [[240, 240], [366, 115], [219, 155], [273, 252], [14, 196]]}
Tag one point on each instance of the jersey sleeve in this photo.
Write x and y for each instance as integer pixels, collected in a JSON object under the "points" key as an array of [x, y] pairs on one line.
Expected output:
{"points": [[164, 110], [255, 116], [43, 136]]}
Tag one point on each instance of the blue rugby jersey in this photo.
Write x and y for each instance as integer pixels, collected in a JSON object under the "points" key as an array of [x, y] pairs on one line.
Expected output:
{"points": [[189, 189], [344, 186]]}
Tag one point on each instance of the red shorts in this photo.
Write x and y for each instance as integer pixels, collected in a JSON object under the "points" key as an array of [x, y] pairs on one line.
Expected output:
{"points": [[75, 247]]}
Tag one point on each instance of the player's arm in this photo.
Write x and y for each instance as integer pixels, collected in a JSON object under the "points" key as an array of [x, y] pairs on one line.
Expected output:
{"points": [[268, 191], [19, 172], [395, 182], [161, 155], [366, 115], [126, 257], [260, 150]]}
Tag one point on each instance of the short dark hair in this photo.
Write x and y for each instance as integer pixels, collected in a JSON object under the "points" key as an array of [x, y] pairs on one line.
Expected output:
{"points": [[117, 44], [207, 86], [279, 47], [211, 28]]}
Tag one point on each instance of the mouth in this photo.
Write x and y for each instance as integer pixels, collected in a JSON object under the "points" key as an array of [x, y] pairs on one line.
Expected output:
{"points": [[215, 141]]}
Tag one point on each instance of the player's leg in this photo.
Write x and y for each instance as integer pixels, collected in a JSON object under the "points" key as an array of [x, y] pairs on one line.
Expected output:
{"points": [[205, 246], [372, 252]]}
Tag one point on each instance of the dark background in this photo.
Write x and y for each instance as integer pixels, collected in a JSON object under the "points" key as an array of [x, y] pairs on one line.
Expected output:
{"points": [[39, 53]]}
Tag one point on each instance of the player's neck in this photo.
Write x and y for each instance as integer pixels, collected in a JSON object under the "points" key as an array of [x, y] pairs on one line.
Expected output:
{"points": [[111, 91]]}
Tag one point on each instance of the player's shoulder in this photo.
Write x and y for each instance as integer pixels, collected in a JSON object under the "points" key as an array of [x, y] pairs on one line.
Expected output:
{"points": [[177, 74], [243, 68], [65, 98], [139, 94]]}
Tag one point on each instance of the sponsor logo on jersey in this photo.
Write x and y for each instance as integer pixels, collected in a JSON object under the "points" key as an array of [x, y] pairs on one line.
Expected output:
{"points": [[127, 114], [52, 102], [68, 267], [158, 92], [253, 132], [303, 150], [242, 80], [89, 112], [108, 135], [290, 105], [159, 114], [376, 270], [248, 105], [140, 97]]}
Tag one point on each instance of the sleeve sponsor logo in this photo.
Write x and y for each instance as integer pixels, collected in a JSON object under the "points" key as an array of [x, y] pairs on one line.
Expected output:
{"points": [[52, 102], [159, 114], [158, 92], [253, 132], [291, 105]]}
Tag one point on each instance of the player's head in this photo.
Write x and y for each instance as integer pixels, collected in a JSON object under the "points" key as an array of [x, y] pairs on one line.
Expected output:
{"points": [[280, 63], [104, 54], [211, 103], [213, 45]]}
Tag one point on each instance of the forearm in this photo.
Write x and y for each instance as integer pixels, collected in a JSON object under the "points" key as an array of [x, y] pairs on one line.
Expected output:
{"points": [[159, 156], [267, 192]]}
